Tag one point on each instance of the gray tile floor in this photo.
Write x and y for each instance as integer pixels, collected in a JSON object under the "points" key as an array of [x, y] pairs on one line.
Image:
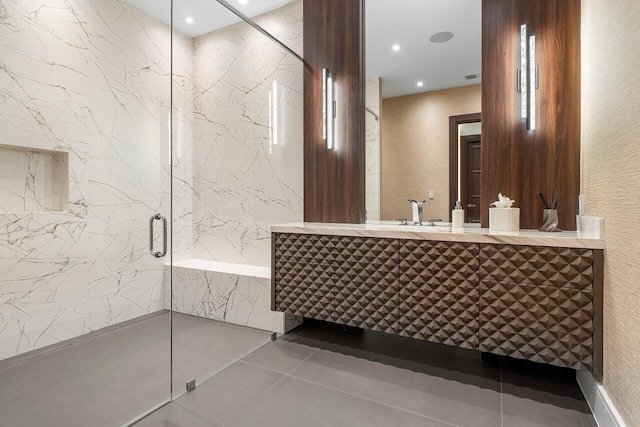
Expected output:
{"points": [[317, 375], [109, 379], [322, 376]]}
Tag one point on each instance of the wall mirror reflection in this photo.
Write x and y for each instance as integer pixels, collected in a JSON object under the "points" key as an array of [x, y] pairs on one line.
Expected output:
{"points": [[423, 105]]}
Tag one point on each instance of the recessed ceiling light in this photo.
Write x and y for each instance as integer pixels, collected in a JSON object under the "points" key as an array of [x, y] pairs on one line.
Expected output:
{"points": [[395, 47], [420, 84], [442, 37], [243, 1], [188, 20]]}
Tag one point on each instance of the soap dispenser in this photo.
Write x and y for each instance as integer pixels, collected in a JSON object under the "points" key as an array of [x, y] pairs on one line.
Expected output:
{"points": [[457, 216]]}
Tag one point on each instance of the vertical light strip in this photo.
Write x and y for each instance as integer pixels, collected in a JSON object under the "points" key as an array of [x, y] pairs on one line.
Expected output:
{"points": [[330, 112], [325, 77], [531, 121], [524, 71], [328, 108], [270, 122], [275, 112]]}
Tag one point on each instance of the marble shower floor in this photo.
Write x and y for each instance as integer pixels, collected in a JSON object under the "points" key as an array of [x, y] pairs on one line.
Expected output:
{"points": [[322, 376], [111, 378]]}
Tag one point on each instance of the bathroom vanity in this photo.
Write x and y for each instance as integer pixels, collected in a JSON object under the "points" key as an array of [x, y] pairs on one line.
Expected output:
{"points": [[528, 295]]}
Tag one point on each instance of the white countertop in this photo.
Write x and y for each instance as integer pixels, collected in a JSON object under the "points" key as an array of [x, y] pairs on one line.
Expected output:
{"points": [[469, 234]]}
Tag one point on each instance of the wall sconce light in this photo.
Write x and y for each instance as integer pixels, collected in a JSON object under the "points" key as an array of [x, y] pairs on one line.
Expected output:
{"points": [[528, 77], [328, 108], [273, 116]]}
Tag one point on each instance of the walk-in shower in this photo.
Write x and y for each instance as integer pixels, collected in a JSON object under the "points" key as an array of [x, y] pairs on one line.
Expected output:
{"points": [[115, 117]]}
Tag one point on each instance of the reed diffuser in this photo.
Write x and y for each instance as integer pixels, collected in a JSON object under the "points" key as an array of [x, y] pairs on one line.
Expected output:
{"points": [[550, 215]]}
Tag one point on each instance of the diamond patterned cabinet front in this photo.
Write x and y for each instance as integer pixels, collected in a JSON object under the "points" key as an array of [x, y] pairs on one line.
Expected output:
{"points": [[438, 292], [307, 247], [538, 265], [304, 276], [538, 304], [366, 276]]}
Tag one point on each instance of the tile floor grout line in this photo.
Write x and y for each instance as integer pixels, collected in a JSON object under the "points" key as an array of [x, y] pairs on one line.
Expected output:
{"points": [[223, 368], [176, 401], [372, 400], [290, 370], [284, 376], [233, 361], [249, 404], [355, 395], [311, 354], [262, 367], [194, 414]]}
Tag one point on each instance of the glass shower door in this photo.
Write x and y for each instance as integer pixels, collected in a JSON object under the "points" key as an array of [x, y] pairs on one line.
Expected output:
{"points": [[84, 164], [237, 170]]}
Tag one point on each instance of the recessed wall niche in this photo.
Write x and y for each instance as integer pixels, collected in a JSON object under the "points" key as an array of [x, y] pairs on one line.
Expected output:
{"points": [[33, 180]]}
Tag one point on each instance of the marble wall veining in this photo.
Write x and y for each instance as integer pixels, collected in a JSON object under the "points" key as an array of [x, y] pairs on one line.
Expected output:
{"points": [[91, 79], [246, 169], [230, 293], [33, 181], [247, 150]]}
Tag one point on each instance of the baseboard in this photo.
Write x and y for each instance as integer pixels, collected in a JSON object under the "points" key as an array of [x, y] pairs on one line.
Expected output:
{"points": [[604, 412], [30, 355]]}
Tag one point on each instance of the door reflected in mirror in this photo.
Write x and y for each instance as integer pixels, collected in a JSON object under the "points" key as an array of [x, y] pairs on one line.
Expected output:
{"points": [[423, 105]]}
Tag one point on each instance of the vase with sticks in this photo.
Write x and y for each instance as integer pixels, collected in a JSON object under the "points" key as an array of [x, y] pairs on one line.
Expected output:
{"points": [[550, 215]]}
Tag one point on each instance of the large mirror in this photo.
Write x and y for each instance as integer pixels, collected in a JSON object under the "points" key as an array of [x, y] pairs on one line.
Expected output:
{"points": [[423, 105]]}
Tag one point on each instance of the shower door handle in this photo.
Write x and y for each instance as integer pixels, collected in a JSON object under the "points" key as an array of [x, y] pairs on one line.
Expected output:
{"points": [[154, 218]]}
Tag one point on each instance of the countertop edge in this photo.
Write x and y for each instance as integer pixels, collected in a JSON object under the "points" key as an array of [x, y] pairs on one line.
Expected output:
{"points": [[567, 239]]}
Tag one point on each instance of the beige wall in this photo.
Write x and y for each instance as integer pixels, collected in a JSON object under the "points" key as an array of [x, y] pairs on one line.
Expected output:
{"points": [[415, 149], [611, 182]]}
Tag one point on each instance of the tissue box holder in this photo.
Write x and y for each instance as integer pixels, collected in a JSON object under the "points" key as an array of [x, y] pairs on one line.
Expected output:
{"points": [[504, 219]]}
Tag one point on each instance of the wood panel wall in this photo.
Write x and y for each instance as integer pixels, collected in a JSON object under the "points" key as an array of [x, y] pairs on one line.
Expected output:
{"points": [[334, 180], [516, 162]]}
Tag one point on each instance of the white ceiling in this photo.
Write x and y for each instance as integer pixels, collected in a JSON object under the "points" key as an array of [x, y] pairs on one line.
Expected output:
{"points": [[208, 15], [410, 23]]}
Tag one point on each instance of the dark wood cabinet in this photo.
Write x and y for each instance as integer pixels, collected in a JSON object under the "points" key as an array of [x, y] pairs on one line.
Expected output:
{"points": [[538, 323], [438, 292], [536, 303], [304, 274], [366, 283]]}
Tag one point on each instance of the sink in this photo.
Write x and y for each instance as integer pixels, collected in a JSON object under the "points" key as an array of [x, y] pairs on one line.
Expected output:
{"points": [[439, 226], [426, 225]]}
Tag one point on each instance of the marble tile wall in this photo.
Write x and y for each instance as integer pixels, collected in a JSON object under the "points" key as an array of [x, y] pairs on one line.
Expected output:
{"points": [[247, 173], [89, 78], [33, 181]]}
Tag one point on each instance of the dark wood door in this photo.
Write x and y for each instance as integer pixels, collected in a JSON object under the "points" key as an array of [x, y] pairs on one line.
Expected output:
{"points": [[471, 177]]}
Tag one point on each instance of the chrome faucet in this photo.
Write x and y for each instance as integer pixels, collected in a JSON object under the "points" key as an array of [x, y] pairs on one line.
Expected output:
{"points": [[417, 211]]}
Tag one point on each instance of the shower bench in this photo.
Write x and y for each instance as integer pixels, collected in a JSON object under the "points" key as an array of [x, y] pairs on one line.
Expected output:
{"points": [[227, 292]]}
